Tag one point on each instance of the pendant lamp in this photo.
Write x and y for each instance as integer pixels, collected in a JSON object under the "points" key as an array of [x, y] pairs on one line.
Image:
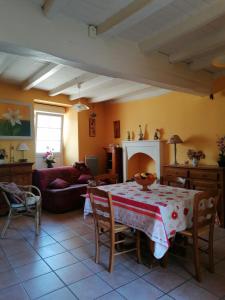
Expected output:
{"points": [[79, 106]]}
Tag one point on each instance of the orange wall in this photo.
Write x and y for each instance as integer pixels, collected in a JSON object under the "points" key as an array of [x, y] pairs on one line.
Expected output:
{"points": [[14, 92], [197, 120], [219, 84], [92, 145]]}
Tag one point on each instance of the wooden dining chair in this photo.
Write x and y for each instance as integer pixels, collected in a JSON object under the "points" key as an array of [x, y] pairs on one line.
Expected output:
{"points": [[106, 178], [204, 213], [103, 214]]}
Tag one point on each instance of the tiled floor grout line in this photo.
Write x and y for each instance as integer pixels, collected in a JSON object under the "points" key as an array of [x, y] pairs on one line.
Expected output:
{"points": [[81, 260]]}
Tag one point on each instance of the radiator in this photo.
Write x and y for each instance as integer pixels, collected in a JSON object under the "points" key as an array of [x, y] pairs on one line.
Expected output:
{"points": [[92, 162]]}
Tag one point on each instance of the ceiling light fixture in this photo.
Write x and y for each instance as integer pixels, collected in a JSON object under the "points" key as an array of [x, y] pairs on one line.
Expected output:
{"points": [[80, 106]]}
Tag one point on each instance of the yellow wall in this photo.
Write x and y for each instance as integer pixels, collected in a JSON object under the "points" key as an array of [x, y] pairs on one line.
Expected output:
{"points": [[197, 120], [70, 137], [14, 92]]}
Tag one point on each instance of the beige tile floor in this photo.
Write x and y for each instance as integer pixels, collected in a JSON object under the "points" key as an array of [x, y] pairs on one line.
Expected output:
{"points": [[59, 265]]}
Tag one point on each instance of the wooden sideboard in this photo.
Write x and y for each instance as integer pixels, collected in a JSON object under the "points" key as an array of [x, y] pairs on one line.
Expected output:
{"points": [[200, 178], [20, 173]]}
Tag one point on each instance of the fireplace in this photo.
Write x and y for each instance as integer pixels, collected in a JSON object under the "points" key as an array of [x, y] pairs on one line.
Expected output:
{"points": [[152, 148]]}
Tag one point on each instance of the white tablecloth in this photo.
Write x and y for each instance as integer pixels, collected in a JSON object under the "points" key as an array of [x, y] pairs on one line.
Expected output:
{"points": [[160, 212]]}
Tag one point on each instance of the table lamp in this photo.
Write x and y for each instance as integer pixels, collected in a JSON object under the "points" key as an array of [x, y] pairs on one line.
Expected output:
{"points": [[23, 147], [175, 139]]}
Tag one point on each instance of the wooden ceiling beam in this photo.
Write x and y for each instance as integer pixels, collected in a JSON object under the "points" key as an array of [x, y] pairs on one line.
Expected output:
{"points": [[205, 45], [132, 14], [122, 90], [52, 7], [187, 26], [72, 83], [7, 62], [91, 85], [122, 15], [42, 75]]}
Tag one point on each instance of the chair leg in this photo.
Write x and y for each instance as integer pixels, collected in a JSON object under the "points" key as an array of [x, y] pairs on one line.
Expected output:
{"points": [[97, 237], [138, 246], [111, 255], [39, 212], [37, 217], [151, 248], [210, 252], [5, 227], [196, 259]]}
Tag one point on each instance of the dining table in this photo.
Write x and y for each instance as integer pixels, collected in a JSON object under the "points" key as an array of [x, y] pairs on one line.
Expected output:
{"points": [[159, 212]]}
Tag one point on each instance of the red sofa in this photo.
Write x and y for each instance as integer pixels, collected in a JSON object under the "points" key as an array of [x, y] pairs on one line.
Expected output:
{"points": [[59, 199]]}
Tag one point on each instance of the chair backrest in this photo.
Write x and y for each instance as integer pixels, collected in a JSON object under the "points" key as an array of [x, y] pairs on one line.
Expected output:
{"points": [[106, 179], [204, 213], [103, 214], [11, 193], [175, 181]]}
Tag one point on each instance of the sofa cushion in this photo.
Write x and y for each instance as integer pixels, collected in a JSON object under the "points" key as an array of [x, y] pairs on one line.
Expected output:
{"points": [[58, 183], [43, 177], [84, 178]]}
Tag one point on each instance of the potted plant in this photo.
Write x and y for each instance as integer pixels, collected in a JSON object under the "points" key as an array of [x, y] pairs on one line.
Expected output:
{"points": [[195, 156], [221, 147], [49, 158]]}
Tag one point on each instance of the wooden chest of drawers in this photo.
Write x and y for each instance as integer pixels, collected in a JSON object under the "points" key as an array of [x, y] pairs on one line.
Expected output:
{"points": [[200, 178]]}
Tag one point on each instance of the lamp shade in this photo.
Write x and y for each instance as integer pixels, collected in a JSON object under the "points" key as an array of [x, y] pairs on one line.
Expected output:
{"points": [[23, 147], [80, 107], [175, 139]]}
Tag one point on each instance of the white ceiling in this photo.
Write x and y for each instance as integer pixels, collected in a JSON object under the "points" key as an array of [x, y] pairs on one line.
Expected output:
{"points": [[190, 33]]}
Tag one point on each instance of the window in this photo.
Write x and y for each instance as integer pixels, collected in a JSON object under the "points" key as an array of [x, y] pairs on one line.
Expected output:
{"points": [[48, 132]]}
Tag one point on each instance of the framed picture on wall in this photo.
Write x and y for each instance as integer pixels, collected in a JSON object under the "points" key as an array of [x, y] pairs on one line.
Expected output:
{"points": [[16, 120], [116, 125], [92, 127]]}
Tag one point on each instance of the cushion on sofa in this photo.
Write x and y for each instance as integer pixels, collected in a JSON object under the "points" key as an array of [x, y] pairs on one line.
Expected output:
{"points": [[84, 178], [58, 183]]}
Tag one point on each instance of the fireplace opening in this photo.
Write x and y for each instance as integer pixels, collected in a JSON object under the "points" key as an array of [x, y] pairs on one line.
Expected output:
{"points": [[140, 162]]}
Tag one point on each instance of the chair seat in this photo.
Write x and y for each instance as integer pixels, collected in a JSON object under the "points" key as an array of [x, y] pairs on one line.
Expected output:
{"points": [[31, 201], [117, 226], [189, 232], [121, 227]]}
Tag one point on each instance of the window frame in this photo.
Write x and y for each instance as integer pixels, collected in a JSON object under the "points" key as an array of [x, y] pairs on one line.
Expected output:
{"points": [[37, 113]]}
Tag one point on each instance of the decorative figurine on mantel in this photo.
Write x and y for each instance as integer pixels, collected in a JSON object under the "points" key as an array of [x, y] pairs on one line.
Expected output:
{"points": [[128, 135], [141, 135], [157, 134]]}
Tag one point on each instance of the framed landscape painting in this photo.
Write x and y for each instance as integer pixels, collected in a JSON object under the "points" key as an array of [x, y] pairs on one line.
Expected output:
{"points": [[16, 120]]}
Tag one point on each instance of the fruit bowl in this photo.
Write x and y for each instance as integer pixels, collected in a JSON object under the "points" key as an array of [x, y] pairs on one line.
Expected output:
{"points": [[145, 179]]}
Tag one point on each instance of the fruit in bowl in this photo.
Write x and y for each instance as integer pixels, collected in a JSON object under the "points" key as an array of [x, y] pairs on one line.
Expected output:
{"points": [[145, 179]]}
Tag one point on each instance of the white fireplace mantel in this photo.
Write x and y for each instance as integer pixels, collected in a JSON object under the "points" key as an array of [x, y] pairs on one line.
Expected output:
{"points": [[152, 148]]}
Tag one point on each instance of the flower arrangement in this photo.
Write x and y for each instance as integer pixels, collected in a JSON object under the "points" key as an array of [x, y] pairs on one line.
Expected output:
{"points": [[221, 146], [195, 154], [49, 158]]}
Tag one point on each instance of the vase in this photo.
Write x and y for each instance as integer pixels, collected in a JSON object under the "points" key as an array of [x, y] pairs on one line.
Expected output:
{"points": [[49, 164], [195, 162]]}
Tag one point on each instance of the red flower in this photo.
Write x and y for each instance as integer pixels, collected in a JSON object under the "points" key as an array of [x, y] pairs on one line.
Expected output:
{"points": [[172, 232], [174, 215], [186, 210]]}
